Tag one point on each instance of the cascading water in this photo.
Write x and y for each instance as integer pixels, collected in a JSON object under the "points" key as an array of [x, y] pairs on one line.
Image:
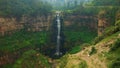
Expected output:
{"points": [[58, 34]]}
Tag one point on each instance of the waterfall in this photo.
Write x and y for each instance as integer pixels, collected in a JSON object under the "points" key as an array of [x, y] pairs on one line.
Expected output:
{"points": [[58, 34]]}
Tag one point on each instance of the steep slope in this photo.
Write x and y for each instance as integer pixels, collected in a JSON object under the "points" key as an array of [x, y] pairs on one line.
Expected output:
{"points": [[103, 54], [29, 59], [32, 59]]}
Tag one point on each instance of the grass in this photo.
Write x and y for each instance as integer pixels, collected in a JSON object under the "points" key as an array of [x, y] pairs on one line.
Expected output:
{"points": [[106, 38], [114, 55], [75, 50], [114, 59], [78, 48], [116, 45], [63, 61], [83, 64]]}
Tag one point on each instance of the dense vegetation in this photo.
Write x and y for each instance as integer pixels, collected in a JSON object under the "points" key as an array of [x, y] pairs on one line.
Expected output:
{"points": [[106, 3], [26, 45], [22, 39], [32, 46], [32, 59], [18, 8], [75, 37]]}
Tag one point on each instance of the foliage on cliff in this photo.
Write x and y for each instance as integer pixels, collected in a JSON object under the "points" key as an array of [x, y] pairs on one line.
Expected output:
{"points": [[22, 39], [25, 47], [17, 8], [32, 59]]}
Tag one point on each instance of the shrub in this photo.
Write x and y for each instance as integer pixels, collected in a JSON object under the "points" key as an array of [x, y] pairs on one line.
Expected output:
{"points": [[118, 24], [116, 45], [114, 55], [93, 51], [78, 48], [97, 39], [64, 61], [83, 64], [115, 63], [110, 30]]}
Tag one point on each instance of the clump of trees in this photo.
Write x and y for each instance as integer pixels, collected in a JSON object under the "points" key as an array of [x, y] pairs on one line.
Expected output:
{"points": [[106, 2], [17, 8]]}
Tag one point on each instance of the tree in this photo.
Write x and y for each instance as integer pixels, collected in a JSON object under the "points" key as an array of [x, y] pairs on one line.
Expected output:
{"points": [[106, 2], [18, 8]]}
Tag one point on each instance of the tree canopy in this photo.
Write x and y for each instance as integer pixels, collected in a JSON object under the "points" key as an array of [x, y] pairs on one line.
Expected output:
{"points": [[17, 8], [106, 2]]}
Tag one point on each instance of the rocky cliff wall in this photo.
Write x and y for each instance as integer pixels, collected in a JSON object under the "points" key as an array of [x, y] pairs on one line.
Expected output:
{"points": [[88, 21], [102, 24], [39, 23]]}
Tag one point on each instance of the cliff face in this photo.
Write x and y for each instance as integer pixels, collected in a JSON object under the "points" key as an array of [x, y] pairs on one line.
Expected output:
{"points": [[104, 21], [87, 21], [102, 24], [39, 23], [8, 25]]}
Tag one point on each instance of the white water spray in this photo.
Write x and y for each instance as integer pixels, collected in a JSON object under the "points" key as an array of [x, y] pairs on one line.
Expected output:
{"points": [[58, 34]]}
